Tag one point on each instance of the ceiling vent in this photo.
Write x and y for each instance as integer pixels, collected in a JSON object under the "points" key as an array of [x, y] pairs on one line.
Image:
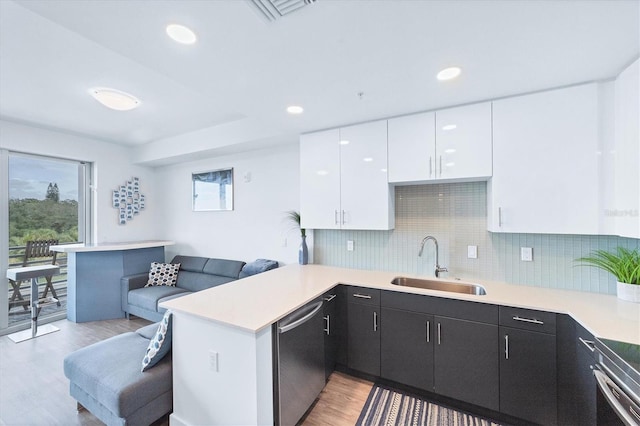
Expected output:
{"points": [[272, 10]]}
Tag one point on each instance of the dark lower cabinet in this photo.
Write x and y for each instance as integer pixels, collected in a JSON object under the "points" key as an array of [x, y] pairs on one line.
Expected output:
{"points": [[586, 388], [363, 335], [528, 375], [406, 353], [466, 361]]}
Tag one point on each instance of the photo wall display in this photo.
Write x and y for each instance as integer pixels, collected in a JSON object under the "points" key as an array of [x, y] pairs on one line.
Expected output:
{"points": [[128, 200]]}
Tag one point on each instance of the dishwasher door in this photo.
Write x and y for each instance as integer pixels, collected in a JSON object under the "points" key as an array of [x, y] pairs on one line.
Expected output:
{"points": [[299, 362]]}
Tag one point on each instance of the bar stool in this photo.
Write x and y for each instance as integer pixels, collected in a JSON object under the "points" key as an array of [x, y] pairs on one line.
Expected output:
{"points": [[33, 273]]}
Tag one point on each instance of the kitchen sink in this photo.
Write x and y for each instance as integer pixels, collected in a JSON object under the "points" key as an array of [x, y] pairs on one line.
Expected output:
{"points": [[440, 285]]}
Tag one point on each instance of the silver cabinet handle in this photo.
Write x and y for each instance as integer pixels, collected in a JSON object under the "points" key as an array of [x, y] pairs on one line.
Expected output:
{"points": [[327, 329], [428, 326], [375, 321], [343, 221], [529, 320], [499, 217], [588, 343], [361, 296], [636, 415], [330, 298], [441, 166], [439, 334], [335, 216], [506, 346], [430, 166]]}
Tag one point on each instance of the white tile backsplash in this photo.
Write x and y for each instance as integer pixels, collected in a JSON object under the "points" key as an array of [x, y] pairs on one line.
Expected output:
{"points": [[456, 214]]}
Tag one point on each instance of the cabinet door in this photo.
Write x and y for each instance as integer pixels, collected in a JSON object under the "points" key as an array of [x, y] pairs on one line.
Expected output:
{"points": [[320, 179], [627, 153], [528, 375], [412, 148], [366, 199], [586, 389], [406, 348], [463, 142], [545, 163], [335, 338], [466, 361], [364, 338]]}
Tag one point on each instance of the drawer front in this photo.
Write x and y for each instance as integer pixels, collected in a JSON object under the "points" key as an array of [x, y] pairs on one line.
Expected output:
{"points": [[471, 311], [528, 319], [363, 295]]}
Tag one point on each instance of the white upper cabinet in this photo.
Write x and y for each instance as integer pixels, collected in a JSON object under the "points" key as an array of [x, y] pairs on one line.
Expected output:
{"points": [[412, 147], [446, 145], [343, 175], [626, 206], [463, 142], [545, 163], [320, 179]]}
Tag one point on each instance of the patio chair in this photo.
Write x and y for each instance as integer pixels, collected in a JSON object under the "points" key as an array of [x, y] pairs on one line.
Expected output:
{"points": [[37, 249]]}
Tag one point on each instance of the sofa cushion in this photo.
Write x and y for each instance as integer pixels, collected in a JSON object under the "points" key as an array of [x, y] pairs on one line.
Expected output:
{"points": [[148, 331], [160, 343], [163, 274], [258, 266], [224, 267], [193, 281], [190, 263], [173, 296], [109, 371], [147, 297]]}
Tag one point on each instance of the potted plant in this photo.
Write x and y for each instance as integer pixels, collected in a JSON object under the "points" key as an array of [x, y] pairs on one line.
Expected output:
{"points": [[624, 264], [303, 253]]}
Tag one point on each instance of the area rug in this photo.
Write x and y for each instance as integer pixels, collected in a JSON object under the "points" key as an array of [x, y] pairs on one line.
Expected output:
{"points": [[387, 406]]}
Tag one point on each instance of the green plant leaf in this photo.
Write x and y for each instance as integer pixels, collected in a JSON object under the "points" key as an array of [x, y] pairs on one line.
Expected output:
{"points": [[624, 264]]}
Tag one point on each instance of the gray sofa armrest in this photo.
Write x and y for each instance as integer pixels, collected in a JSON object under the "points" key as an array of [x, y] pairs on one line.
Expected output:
{"points": [[131, 282]]}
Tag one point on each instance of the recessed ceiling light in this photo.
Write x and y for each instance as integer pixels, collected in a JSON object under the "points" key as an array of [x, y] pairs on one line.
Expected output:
{"points": [[449, 127], [181, 34], [449, 73], [344, 142], [295, 109], [114, 99]]}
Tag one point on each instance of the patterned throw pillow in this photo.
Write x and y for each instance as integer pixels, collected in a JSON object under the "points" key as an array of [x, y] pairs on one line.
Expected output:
{"points": [[163, 274], [160, 344]]}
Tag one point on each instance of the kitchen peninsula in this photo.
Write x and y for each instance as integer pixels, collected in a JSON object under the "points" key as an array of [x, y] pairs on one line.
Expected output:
{"points": [[94, 272], [222, 350]]}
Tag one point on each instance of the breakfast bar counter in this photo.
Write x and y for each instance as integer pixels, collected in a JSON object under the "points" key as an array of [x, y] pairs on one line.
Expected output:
{"points": [[94, 272]]}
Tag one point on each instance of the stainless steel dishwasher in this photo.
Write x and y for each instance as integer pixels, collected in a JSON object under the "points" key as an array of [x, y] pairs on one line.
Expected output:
{"points": [[299, 366]]}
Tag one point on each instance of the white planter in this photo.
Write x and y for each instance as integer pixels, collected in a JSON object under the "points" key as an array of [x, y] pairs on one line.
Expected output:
{"points": [[630, 292]]}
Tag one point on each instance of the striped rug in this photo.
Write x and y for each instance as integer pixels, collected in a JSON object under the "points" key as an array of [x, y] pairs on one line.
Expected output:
{"points": [[386, 407]]}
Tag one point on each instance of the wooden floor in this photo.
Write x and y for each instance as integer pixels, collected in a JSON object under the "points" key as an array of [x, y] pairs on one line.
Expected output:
{"points": [[34, 390]]}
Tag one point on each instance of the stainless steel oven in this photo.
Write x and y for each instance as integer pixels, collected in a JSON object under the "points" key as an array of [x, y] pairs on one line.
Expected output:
{"points": [[617, 374]]}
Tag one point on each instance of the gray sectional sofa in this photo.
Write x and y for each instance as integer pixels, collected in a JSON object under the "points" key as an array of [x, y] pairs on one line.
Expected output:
{"points": [[105, 378], [196, 273]]}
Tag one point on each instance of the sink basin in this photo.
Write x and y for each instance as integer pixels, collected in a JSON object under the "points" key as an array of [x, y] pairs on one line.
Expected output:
{"points": [[451, 286]]}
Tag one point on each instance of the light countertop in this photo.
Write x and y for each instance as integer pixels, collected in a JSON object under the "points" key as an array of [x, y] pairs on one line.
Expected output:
{"points": [[130, 245], [253, 303]]}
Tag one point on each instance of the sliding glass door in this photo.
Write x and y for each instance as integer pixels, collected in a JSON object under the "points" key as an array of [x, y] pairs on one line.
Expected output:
{"points": [[46, 201]]}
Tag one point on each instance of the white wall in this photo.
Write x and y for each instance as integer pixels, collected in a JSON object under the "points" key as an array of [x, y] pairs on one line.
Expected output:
{"points": [[112, 166], [255, 228]]}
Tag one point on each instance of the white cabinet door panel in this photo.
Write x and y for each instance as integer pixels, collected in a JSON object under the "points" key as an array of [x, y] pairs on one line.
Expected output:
{"points": [[545, 163], [365, 193], [320, 179], [627, 153], [412, 148], [463, 142]]}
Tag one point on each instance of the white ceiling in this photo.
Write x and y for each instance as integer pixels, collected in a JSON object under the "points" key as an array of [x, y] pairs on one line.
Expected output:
{"points": [[244, 71]]}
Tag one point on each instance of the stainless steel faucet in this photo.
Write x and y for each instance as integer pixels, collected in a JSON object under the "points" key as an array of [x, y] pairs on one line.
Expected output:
{"points": [[439, 268]]}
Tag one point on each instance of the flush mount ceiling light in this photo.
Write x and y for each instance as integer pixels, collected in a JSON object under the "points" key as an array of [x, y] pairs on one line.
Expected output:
{"points": [[181, 34], [295, 109], [449, 73], [114, 99]]}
